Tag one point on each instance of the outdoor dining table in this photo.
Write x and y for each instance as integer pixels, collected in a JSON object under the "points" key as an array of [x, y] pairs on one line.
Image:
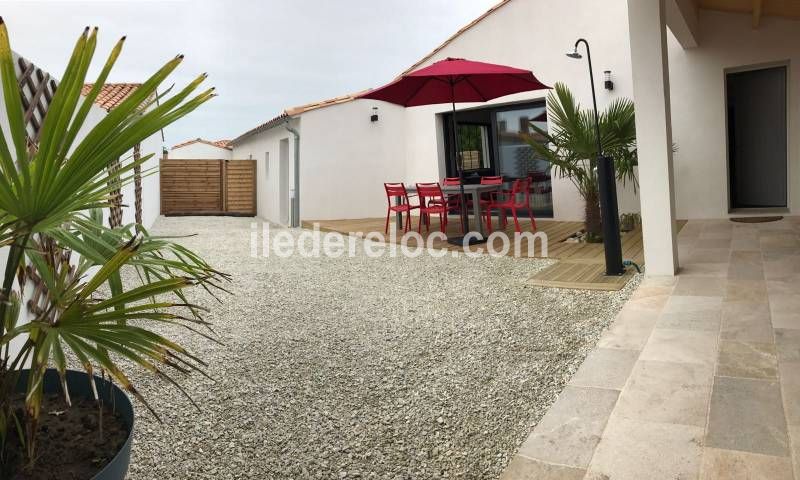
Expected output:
{"points": [[475, 190]]}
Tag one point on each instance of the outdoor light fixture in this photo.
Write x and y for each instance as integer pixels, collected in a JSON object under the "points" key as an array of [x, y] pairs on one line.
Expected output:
{"points": [[374, 117], [606, 179], [608, 83]]}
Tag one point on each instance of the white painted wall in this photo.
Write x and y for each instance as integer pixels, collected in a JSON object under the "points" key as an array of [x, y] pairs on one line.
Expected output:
{"points": [[697, 79], [200, 151], [345, 160], [265, 149]]}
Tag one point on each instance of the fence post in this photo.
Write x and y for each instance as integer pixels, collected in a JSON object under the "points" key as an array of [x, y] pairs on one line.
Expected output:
{"points": [[224, 180]]}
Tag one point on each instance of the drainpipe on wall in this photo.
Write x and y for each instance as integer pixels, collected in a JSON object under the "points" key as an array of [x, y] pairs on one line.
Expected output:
{"points": [[296, 203]]}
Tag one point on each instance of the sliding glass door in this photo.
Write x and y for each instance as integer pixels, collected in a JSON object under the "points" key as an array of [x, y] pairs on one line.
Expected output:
{"points": [[517, 159], [494, 141]]}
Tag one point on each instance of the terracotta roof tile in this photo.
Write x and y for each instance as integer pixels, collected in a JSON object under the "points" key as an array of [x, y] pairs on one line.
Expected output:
{"points": [[112, 94]]}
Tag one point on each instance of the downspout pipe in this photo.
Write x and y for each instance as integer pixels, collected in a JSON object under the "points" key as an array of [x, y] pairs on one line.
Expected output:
{"points": [[295, 221]]}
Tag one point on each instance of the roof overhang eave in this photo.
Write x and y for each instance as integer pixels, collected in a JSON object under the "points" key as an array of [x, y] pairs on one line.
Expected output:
{"points": [[281, 119]]}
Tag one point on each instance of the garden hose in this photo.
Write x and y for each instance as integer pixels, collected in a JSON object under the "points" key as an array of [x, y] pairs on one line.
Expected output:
{"points": [[628, 263]]}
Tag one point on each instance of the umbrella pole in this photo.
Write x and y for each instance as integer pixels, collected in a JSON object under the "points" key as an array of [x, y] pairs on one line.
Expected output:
{"points": [[460, 169], [463, 197]]}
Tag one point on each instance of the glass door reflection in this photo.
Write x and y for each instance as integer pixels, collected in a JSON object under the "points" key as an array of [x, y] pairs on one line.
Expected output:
{"points": [[517, 159]]}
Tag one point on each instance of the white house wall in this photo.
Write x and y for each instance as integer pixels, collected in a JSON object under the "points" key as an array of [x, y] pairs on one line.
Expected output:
{"points": [[345, 159], [200, 151], [257, 147], [697, 85]]}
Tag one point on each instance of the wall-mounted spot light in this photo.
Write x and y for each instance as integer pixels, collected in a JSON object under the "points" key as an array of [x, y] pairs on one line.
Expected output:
{"points": [[609, 84], [374, 117]]}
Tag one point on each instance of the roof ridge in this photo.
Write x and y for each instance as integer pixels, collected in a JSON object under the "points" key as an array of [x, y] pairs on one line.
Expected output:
{"points": [[292, 111], [213, 143], [282, 118]]}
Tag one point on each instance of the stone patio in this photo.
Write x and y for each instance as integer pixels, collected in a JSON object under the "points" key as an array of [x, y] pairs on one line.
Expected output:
{"points": [[698, 377]]}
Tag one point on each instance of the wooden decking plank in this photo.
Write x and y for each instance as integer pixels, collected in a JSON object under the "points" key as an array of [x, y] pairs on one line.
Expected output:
{"points": [[591, 277], [579, 265], [568, 272]]}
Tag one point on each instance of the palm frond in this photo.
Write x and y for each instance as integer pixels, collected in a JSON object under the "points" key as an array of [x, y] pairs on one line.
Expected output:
{"points": [[48, 201]]}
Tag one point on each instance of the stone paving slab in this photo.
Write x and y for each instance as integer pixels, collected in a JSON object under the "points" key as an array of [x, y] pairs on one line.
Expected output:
{"points": [[569, 432], [699, 375], [732, 465], [606, 368], [747, 415]]}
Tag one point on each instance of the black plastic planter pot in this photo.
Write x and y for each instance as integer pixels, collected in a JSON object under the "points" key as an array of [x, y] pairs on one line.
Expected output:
{"points": [[78, 383]]}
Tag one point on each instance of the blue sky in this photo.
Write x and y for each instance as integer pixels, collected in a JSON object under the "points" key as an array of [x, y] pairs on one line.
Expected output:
{"points": [[262, 56]]}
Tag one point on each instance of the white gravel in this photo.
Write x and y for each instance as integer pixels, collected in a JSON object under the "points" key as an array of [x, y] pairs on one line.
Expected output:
{"points": [[374, 368]]}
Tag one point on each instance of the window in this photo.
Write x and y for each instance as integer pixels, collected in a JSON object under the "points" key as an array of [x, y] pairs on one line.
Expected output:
{"points": [[266, 164], [474, 146], [516, 157]]}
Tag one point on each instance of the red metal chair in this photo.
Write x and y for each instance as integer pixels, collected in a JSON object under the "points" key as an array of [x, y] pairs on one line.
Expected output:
{"points": [[490, 180], [528, 197], [395, 192], [488, 198], [511, 203], [431, 201], [453, 199]]}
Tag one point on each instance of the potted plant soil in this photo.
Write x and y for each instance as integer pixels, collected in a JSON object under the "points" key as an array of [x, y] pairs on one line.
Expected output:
{"points": [[104, 431], [93, 296]]}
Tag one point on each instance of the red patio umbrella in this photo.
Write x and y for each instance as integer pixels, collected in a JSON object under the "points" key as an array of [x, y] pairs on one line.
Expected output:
{"points": [[456, 80]]}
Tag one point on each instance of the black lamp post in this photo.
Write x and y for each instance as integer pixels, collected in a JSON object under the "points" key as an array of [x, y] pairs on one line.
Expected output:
{"points": [[607, 184]]}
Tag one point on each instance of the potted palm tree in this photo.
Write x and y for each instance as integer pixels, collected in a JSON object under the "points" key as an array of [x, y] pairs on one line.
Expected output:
{"points": [[571, 147], [101, 291]]}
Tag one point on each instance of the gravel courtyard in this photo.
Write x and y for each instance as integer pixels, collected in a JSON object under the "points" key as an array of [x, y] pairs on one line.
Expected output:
{"points": [[372, 368]]}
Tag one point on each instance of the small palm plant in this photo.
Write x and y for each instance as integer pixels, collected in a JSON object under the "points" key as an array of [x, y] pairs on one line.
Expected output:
{"points": [[571, 146], [49, 200]]}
